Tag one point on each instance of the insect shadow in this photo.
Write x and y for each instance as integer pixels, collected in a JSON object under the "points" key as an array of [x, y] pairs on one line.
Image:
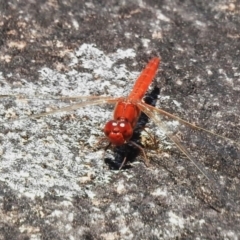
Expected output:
{"points": [[128, 152]]}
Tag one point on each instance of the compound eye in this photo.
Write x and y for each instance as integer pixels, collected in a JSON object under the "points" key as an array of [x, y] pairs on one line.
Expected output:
{"points": [[126, 129], [122, 128], [109, 127], [122, 124], [114, 123]]}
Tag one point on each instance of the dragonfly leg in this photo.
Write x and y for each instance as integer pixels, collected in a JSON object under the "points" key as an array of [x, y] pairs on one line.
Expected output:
{"points": [[102, 142], [153, 140], [123, 163], [146, 160]]}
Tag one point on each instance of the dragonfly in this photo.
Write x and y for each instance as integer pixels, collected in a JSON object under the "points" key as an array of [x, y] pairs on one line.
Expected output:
{"points": [[127, 111]]}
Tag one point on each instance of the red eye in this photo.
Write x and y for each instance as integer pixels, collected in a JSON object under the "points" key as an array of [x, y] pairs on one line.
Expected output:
{"points": [[125, 129], [118, 132], [109, 127]]}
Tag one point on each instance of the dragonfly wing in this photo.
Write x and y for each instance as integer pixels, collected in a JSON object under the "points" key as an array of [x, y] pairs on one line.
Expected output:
{"points": [[91, 101], [54, 98], [153, 114], [188, 124]]}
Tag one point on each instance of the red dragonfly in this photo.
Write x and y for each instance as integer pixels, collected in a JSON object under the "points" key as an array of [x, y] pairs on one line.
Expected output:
{"points": [[127, 111]]}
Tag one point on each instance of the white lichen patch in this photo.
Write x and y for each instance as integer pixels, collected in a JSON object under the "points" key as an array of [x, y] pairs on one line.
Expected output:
{"points": [[56, 152]]}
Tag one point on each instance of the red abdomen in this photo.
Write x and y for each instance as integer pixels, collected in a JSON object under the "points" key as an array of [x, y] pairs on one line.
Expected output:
{"points": [[144, 80]]}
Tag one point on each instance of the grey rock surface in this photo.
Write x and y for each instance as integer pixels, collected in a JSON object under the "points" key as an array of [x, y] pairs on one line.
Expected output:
{"points": [[54, 183]]}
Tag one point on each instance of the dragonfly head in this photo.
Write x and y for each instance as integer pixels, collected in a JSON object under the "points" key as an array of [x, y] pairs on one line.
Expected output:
{"points": [[118, 132]]}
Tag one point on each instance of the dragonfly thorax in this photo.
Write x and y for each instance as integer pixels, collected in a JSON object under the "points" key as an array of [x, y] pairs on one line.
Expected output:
{"points": [[118, 131]]}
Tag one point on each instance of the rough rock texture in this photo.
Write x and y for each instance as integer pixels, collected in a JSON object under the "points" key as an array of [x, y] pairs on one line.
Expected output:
{"points": [[54, 184]]}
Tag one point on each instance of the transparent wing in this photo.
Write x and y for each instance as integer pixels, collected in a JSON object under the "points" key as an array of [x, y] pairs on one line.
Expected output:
{"points": [[167, 114], [82, 101], [193, 135], [53, 98]]}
